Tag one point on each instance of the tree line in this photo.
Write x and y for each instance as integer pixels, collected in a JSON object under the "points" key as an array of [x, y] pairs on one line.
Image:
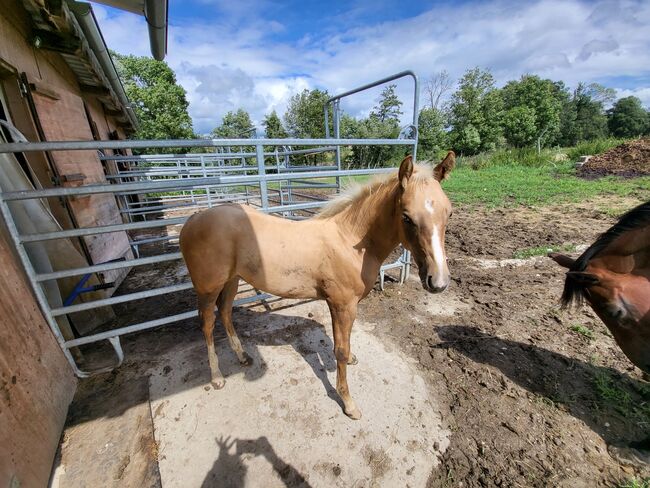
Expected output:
{"points": [[478, 116]]}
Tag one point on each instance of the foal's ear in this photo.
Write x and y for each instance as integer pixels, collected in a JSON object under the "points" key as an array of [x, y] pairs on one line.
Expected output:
{"points": [[405, 171], [561, 259], [584, 278], [443, 169]]}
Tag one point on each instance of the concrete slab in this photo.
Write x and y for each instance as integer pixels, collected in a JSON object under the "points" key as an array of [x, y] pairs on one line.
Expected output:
{"points": [[279, 422]]}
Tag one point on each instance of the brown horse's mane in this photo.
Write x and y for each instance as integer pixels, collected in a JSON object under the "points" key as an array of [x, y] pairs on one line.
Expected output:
{"points": [[374, 191], [575, 292]]}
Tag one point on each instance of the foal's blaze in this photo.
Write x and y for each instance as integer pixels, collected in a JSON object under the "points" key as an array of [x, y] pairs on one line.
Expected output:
{"points": [[335, 256], [613, 276], [425, 211]]}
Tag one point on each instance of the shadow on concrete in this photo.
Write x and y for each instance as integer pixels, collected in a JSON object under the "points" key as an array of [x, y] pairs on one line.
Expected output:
{"points": [[111, 394], [229, 469]]}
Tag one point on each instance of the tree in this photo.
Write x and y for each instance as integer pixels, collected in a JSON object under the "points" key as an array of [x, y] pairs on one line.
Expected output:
{"points": [[591, 121], [627, 118], [304, 116], [159, 102], [519, 126], [432, 135], [543, 99], [475, 113], [371, 128], [436, 87], [273, 126], [235, 125], [389, 107]]}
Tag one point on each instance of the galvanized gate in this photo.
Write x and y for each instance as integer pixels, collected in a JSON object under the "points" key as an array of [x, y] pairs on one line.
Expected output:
{"points": [[161, 191]]}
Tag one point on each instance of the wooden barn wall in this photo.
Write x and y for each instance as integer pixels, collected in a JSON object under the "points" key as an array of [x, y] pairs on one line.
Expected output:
{"points": [[36, 382]]}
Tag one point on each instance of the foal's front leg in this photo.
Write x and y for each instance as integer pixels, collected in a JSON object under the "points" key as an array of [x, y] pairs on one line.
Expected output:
{"points": [[343, 316]]}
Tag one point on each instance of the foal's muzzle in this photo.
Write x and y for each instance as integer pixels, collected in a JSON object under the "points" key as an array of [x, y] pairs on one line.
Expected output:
{"points": [[433, 286], [431, 283]]}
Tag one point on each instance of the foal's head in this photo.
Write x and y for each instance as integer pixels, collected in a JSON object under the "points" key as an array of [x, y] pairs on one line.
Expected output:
{"points": [[423, 211]]}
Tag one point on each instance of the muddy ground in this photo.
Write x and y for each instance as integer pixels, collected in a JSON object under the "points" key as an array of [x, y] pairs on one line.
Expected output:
{"points": [[533, 395]]}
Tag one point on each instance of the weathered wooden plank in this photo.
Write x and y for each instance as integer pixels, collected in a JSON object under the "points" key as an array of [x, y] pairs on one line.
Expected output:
{"points": [[36, 382]]}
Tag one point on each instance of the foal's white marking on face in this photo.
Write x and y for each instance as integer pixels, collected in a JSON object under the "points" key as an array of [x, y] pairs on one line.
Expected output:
{"points": [[436, 244], [428, 205]]}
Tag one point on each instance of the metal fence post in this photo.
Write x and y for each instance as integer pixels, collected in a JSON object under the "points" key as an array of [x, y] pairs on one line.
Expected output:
{"points": [[261, 170]]}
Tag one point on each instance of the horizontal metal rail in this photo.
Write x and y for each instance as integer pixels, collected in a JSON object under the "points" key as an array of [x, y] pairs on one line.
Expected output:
{"points": [[98, 268], [101, 229], [156, 323], [213, 156], [144, 144], [120, 299], [151, 187]]}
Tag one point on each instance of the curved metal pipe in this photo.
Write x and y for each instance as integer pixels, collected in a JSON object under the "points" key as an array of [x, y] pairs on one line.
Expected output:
{"points": [[155, 12]]}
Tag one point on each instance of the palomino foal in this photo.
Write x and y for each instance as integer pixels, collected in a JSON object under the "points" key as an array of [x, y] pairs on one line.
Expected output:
{"points": [[334, 257]]}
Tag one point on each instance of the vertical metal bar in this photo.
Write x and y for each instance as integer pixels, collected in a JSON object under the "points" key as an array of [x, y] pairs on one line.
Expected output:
{"points": [[416, 114], [337, 134], [264, 194], [327, 122]]}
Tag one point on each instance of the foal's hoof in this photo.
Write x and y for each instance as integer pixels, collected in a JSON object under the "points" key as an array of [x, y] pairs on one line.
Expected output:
{"points": [[218, 384], [354, 414], [353, 360], [247, 361]]}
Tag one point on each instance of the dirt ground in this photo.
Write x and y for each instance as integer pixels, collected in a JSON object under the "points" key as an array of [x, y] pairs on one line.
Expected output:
{"points": [[532, 395]]}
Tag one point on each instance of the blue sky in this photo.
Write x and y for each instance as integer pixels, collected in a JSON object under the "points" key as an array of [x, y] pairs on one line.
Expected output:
{"points": [[255, 54]]}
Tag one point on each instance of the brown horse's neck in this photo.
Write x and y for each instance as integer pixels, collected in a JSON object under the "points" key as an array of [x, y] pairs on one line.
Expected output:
{"points": [[371, 222]]}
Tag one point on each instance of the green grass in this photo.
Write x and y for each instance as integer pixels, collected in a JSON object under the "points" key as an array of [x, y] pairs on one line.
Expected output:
{"points": [[635, 483], [582, 330], [593, 147], [542, 251], [507, 185], [620, 399]]}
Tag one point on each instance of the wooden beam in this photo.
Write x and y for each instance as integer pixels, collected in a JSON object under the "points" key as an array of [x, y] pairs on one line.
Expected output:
{"points": [[52, 41], [114, 113], [101, 91], [44, 90]]}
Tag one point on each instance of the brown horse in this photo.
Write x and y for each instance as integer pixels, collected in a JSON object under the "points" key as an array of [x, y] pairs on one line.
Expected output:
{"points": [[613, 275], [333, 257]]}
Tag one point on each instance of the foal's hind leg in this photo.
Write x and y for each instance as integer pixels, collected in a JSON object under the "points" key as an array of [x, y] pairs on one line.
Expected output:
{"points": [[224, 302], [206, 314]]}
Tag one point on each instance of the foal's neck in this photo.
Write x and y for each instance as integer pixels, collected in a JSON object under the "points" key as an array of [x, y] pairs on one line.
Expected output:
{"points": [[370, 223]]}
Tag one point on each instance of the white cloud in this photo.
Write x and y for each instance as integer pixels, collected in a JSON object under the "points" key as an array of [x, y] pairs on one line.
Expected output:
{"points": [[641, 93], [237, 60]]}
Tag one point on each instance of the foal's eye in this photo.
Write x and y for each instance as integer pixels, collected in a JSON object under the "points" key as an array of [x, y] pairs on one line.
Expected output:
{"points": [[407, 219]]}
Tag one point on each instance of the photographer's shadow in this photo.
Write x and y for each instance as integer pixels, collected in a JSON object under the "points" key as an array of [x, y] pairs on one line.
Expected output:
{"points": [[230, 471]]}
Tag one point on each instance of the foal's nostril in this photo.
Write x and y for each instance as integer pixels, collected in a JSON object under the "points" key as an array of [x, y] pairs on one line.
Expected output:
{"points": [[430, 282]]}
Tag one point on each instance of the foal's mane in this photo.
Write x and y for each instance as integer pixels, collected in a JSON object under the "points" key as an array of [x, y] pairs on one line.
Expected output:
{"points": [[377, 189], [574, 292]]}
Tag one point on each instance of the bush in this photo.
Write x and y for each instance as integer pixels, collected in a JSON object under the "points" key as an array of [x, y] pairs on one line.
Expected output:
{"points": [[527, 157], [597, 146]]}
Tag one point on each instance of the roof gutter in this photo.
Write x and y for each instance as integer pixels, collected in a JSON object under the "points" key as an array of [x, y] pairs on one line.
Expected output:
{"points": [[86, 18], [155, 12]]}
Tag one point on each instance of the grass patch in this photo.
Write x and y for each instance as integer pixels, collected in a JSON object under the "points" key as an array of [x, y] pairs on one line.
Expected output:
{"points": [[635, 483], [512, 185], [542, 251], [620, 399], [593, 147], [610, 392], [582, 330]]}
